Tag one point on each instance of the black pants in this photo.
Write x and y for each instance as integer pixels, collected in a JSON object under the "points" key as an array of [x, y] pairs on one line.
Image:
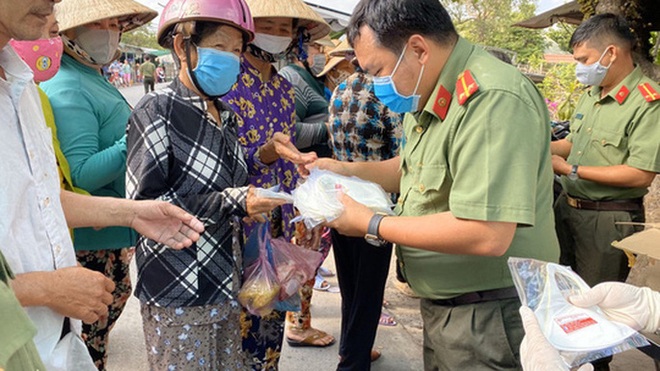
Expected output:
{"points": [[361, 271], [148, 84]]}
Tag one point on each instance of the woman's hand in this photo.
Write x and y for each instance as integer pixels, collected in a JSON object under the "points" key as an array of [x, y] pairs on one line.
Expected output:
{"points": [[337, 167], [280, 146], [256, 206]]}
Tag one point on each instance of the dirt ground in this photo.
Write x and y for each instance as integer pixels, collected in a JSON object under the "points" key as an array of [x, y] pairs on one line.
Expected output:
{"points": [[652, 202]]}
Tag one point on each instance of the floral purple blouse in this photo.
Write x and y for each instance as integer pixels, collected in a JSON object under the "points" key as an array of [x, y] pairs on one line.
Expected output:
{"points": [[266, 107]]}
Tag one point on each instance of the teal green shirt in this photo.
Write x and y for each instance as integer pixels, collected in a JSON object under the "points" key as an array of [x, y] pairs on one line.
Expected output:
{"points": [[488, 160], [620, 128], [91, 116]]}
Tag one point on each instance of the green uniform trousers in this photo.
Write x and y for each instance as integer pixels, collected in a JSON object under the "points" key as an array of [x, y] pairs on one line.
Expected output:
{"points": [[483, 336], [585, 240]]}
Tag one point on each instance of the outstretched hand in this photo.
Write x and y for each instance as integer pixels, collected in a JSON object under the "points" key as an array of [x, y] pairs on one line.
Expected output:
{"points": [[280, 146], [166, 223]]}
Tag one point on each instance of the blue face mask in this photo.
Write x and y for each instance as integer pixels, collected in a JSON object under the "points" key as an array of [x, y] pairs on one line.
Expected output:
{"points": [[386, 91], [216, 72]]}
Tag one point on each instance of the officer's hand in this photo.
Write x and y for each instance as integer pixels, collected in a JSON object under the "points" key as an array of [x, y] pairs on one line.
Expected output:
{"points": [[536, 353], [637, 307], [354, 220], [560, 166]]}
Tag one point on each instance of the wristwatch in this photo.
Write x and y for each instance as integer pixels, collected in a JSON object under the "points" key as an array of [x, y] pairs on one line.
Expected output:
{"points": [[573, 175], [372, 236]]}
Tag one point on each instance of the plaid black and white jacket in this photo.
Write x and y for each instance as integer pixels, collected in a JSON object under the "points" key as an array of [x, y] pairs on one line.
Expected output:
{"points": [[178, 153]]}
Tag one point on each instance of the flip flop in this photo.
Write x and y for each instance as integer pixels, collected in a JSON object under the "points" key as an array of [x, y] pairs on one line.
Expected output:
{"points": [[310, 341], [386, 320], [320, 284]]}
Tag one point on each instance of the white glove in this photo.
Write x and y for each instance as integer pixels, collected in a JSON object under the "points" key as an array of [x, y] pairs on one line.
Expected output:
{"points": [[536, 353], [637, 307]]}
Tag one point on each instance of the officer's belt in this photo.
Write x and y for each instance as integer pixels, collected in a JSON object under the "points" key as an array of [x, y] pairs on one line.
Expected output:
{"points": [[478, 297], [634, 204]]}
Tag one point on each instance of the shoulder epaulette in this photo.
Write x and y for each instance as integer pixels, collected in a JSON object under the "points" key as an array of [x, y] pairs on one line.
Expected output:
{"points": [[648, 92], [466, 86]]}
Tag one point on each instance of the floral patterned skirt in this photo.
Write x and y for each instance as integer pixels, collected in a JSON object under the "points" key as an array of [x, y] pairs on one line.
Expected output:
{"points": [[193, 338]]}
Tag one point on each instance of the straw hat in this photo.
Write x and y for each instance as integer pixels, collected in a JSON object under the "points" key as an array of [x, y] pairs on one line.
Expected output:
{"points": [[325, 41], [73, 13], [295, 9], [341, 49], [332, 63]]}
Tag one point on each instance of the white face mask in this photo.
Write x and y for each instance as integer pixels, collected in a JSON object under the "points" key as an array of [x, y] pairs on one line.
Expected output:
{"points": [[101, 45], [592, 74], [318, 64], [271, 43]]}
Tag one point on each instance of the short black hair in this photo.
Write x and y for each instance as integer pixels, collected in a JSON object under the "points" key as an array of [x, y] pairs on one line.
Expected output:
{"points": [[394, 21], [603, 29]]}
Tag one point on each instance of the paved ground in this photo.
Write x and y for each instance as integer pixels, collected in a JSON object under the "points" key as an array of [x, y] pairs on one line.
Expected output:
{"points": [[401, 345]]}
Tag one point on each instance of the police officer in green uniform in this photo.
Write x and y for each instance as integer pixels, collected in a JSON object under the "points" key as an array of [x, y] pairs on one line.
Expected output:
{"points": [[475, 179], [610, 157], [17, 350], [612, 154]]}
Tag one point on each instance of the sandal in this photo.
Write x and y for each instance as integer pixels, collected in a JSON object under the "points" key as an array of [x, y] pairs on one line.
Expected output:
{"points": [[320, 284], [386, 320], [310, 341]]}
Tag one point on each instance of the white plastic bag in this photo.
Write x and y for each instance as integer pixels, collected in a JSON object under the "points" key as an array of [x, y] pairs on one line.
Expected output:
{"points": [[273, 192], [317, 198], [579, 334]]}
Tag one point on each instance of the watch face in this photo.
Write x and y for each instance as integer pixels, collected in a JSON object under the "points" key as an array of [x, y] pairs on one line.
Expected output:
{"points": [[572, 176]]}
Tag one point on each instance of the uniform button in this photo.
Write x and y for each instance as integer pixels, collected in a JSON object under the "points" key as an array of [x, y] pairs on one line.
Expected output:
{"points": [[597, 104], [579, 153], [58, 249], [420, 164], [588, 130], [421, 188], [603, 142], [419, 129], [47, 201]]}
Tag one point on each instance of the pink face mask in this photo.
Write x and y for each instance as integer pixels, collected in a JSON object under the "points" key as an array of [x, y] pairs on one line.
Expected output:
{"points": [[43, 56]]}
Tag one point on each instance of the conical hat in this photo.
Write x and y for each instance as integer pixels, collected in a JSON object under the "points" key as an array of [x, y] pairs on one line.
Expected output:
{"points": [[341, 49], [73, 13], [295, 9]]}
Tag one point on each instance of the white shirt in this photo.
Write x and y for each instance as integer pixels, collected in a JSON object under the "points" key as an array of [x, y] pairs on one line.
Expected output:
{"points": [[33, 230]]}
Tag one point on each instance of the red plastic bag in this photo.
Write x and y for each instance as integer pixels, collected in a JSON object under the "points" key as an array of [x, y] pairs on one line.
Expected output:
{"points": [[294, 266]]}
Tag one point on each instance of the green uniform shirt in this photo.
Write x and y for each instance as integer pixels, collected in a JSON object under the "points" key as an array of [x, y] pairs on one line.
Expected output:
{"points": [[147, 69], [488, 160], [621, 128], [17, 350]]}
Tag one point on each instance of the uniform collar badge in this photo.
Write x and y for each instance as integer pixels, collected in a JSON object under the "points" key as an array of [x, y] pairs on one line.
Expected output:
{"points": [[442, 101], [622, 94]]}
